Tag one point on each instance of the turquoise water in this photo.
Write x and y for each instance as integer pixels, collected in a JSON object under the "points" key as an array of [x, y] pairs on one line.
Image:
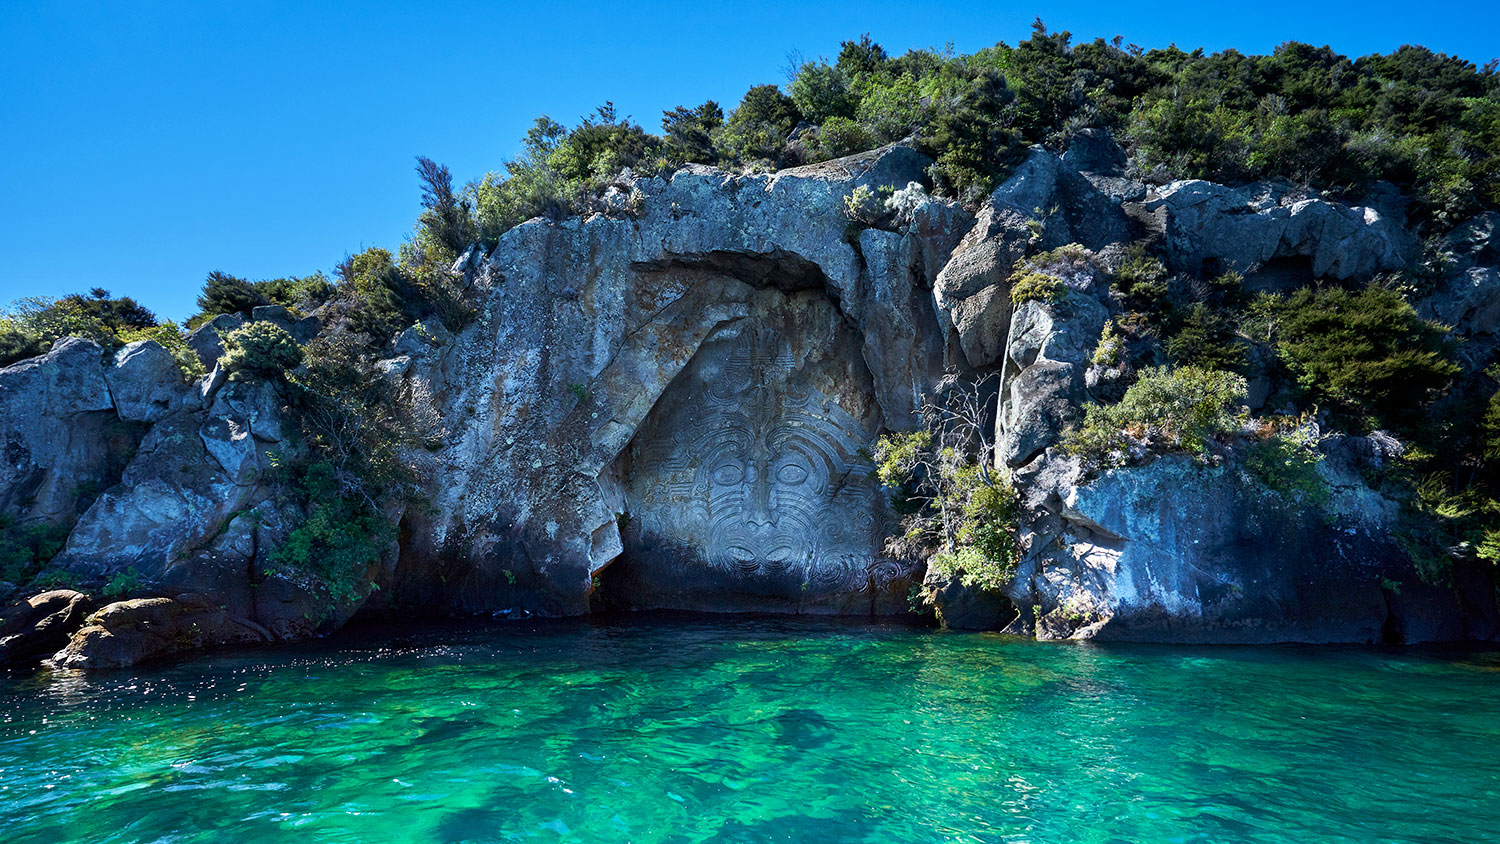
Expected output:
{"points": [[748, 730]]}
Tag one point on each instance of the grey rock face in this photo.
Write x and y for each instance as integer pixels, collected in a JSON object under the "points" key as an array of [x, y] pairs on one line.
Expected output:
{"points": [[1175, 551], [973, 288], [145, 383], [1048, 348], [667, 405], [1243, 228], [55, 415]]}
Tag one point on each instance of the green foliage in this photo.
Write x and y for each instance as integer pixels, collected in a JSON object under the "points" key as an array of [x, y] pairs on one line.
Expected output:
{"points": [[1287, 463], [1366, 353], [298, 295], [821, 91], [122, 584], [863, 205], [1111, 348], [1207, 339], [840, 136], [757, 130], [25, 547], [358, 427], [957, 509], [530, 188], [341, 538], [260, 350], [1182, 408], [55, 579], [1027, 284], [689, 133], [228, 294], [600, 147], [1141, 282], [1038, 278], [966, 513], [1421, 119], [30, 326]]}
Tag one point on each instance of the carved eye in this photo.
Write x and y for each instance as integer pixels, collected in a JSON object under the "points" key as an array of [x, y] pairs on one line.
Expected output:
{"points": [[728, 475], [791, 474]]}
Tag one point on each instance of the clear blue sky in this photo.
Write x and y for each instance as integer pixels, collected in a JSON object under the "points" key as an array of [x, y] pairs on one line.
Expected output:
{"points": [[146, 143]]}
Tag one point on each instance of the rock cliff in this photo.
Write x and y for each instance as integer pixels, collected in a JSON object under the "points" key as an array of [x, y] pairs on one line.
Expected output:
{"points": [[671, 405]]}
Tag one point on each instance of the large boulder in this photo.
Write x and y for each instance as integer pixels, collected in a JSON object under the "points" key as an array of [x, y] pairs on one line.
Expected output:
{"points": [[1179, 551], [191, 474], [145, 383], [131, 632], [1048, 347], [33, 629]]}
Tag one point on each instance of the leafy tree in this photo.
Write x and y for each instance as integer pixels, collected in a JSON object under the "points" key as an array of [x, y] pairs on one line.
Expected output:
{"points": [[757, 130], [446, 225], [227, 294], [821, 91], [690, 132]]}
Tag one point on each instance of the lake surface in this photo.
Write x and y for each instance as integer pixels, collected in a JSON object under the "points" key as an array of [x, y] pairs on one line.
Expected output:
{"points": [[751, 730]]}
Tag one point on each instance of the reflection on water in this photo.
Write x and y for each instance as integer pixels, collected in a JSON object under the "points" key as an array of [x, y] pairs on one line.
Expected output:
{"points": [[740, 730]]}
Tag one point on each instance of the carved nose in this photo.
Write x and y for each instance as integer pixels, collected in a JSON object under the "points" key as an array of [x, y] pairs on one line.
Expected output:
{"points": [[760, 498]]}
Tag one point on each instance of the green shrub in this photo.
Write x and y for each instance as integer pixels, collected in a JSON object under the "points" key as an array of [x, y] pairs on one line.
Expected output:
{"points": [[25, 547], [866, 206], [341, 538], [122, 584], [1141, 282], [821, 91], [1287, 463], [1037, 278], [1183, 408], [962, 511], [840, 136], [1366, 353], [1111, 348], [690, 133], [1207, 339], [260, 350], [1028, 284], [958, 510]]}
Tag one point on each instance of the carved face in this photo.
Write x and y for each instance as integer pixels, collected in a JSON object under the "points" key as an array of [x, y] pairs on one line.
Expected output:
{"points": [[747, 464], [766, 489]]}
